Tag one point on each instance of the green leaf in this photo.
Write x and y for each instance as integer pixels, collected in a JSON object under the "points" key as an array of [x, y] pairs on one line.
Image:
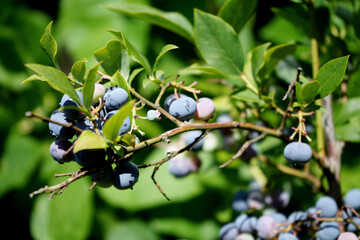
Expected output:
{"points": [[172, 21], [33, 78], [78, 70], [19, 158], [133, 230], [254, 61], [208, 71], [272, 57], [119, 80], [56, 79], [68, 216], [218, 43], [134, 53], [114, 56], [112, 125], [309, 91], [165, 49], [345, 112], [349, 132], [90, 140], [49, 45], [246, 95], [133, 74], [89, 86], [331, 74], [237, 12]]}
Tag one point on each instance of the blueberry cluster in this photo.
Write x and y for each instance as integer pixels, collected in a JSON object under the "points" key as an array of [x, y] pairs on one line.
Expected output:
{"points": [[323, 221], [125, 174]]}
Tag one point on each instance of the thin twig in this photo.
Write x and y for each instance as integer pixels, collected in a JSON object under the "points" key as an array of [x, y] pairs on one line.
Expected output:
{"points": [[243, 148]]}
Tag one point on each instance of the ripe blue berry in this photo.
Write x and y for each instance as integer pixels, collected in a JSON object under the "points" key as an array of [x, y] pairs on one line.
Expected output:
{"points": [[72, 114], [352, 227], [287, 236], [171, 98], [279, 217], [298, 153], [328, 231], [115, 98], [125, 175], [205, 108], [183, 108], [59, 151], [84, 124], [352, 198], [182, 166], [297, 216], [327, 207], [239, 203], [90, 158], [228, 232], [102, 177], [245, 223], [57, 130], [191, 136], [126, 125]]}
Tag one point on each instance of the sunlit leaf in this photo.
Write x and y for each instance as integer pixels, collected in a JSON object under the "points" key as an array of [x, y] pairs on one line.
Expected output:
{"points": [[49, 45], [89, 86], [90, 140]]}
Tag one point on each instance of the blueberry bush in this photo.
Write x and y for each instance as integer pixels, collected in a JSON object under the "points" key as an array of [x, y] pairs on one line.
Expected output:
{"points": [[221, 119]]}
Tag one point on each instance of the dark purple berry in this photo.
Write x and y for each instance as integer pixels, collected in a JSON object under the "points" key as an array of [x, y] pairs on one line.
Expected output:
{"points": [[60, 152]]}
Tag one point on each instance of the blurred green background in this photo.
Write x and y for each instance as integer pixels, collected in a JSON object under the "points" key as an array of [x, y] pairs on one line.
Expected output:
{"points": [[200, 204]]}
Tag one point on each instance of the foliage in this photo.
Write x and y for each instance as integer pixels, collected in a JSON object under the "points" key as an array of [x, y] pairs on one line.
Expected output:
{"points": [[238, 53]]}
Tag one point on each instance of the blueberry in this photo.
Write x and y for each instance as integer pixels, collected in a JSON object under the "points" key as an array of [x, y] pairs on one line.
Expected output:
{"points": [[183, 108], [239, 202], [182, 166], [191, 136], [245, 223], [228, 232], [328, 231], [350, 227], [287, 236], [84, 124], [57, 130], [327, 207], [59, 150], [125, 175], [279, 217], [171, 98], [205, 108], [115, 98], [255, 200], [352, 198], [297, 216], [126, 125], [298, 153], [90, 158], [72, 114], [102, 177], [99, 92]]}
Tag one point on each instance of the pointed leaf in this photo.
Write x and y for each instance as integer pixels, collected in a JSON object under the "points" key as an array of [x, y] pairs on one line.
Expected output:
{"points": [[56, 79], [218, 43], [309, 91], [33, 78], [172, 21], [112, 125], [78, 70], [89, 86], [346, 111], [119, 80], [89, 140], [331, 74], [162, 52], [49, 45], [246, 95], [237, 12], [254, 61], [133, 74], [273, 56], [114, 56], [134, 53]]}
